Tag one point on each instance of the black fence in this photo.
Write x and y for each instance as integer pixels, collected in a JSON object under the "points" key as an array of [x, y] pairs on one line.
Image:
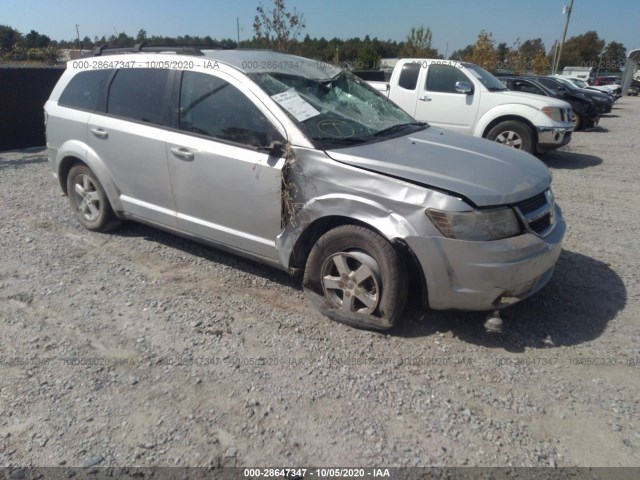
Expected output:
{"points": [[23, 92]]}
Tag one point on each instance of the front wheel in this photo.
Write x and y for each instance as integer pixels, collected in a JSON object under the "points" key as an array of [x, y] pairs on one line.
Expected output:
{"points": [[512, 134], [577, 121], [355, 276]]}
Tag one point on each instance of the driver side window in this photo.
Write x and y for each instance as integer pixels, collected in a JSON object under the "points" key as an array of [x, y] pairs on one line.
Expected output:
{"points": [[213, 107], [443, 78]]}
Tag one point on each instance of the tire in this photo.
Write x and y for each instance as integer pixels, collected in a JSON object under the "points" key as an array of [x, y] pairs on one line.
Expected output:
{"points": [[355, 276], [512, 134], [89, 201], [577, 121]]}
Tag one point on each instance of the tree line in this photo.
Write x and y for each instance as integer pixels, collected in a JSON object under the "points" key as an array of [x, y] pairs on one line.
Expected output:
{"points": [[279, 29]]}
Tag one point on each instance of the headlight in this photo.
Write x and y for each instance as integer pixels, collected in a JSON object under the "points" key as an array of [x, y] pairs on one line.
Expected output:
{"points": [[476, 224], [553, 113]]}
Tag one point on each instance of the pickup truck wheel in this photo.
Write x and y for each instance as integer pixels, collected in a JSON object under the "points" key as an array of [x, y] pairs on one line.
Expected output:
{"points": [[577, 121], [355, 276], [88, 200], [512, 134]]}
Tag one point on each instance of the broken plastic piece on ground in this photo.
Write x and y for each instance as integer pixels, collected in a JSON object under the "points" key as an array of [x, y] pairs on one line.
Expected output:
{"points": [[494, 322]]}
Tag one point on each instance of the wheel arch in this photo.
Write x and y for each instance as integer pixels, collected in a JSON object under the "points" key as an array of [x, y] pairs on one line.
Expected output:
{"points": [[310, 235], [513, 118], [72, 156]]}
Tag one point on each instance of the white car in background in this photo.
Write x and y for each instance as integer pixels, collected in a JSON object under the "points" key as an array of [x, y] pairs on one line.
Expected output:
{"points": [[578, 82]]}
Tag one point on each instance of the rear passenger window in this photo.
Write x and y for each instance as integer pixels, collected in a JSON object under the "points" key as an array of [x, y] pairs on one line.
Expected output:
{"points": [[213, 107], [443, 78], [85, 89], [409, 75], [139, 94]]}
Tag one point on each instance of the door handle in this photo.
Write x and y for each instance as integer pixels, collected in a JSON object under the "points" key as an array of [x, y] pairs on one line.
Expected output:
{"points": [[182, 153], [424, 99], [99, 132]]}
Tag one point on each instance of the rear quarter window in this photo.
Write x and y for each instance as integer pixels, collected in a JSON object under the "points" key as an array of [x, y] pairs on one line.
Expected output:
{"points": [[409, 76], [85, 90]]}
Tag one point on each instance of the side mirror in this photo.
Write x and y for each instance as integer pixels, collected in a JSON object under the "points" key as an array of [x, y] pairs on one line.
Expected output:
{"points": [[464, 87], [275, 148]]}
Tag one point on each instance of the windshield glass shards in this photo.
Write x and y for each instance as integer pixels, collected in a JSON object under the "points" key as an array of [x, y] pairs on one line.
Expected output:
{"points": [[339, 111]]}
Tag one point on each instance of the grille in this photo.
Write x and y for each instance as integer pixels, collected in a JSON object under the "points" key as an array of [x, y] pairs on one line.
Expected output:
{"points": [[532, 204], [540, 225], [538, 213]]}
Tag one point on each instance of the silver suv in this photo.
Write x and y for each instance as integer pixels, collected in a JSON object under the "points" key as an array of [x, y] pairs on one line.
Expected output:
{"points": [[302, 166]]}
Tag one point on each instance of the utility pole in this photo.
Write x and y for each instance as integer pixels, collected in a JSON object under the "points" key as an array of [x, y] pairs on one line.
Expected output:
{"points": [[567, 10], [78, 34], [600, 60], [238, 29], [555, 56]]}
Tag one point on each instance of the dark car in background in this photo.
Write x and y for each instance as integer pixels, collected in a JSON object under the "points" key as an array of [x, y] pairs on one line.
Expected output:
{"points": [[585, 113], [601, 101]]}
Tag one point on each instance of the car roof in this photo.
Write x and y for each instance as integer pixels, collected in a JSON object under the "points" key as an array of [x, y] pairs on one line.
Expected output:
{"points": [[247, 61], [260, 61]]}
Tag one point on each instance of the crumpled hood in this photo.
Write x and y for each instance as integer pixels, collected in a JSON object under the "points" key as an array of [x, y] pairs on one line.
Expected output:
{"points": [[483, 171]]}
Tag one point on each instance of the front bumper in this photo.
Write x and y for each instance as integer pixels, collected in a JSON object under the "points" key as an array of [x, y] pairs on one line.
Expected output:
{"points": [[550, 138], [486, 275]]}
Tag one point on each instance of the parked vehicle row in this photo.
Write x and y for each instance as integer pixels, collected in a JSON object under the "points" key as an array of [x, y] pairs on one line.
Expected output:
{"points": [[585, 113], [305, 167], [605, 96], [464, 97]]}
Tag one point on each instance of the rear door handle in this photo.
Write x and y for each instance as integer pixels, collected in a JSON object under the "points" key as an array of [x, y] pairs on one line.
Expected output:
{"points": [[182, 153], [424, 99], [99, 132]]}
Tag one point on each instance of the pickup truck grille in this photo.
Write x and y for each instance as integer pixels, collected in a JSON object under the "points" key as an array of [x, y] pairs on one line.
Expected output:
{"points": [[538, 213]]}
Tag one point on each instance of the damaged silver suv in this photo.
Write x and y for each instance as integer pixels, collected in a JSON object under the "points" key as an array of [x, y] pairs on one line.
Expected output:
{"points": [[302, 166]]}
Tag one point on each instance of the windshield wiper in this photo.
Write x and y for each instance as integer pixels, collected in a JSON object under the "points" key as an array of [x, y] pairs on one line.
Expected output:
{"points": [[343, 141], [497, 89], [397, 128]]}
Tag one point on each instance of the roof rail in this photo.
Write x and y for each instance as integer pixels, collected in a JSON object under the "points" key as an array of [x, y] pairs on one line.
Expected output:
{"points": [[143, 47]]}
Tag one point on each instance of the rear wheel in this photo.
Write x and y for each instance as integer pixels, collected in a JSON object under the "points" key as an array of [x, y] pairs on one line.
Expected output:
{"points": [[355, 276], [89, 201], [512, 134]]}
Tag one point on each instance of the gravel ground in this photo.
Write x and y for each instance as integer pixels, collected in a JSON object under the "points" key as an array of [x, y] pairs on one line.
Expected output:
{"points": [[139, 348]]}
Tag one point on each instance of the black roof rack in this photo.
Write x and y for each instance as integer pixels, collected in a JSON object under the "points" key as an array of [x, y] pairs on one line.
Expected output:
{"points": [[143, 47]]}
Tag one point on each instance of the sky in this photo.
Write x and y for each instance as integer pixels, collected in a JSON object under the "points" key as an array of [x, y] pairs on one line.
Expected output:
{"points": [[453, 23]]}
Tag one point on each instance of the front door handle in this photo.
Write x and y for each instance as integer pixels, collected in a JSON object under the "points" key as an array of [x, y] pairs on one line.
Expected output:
{"points": [[424, 99], [182, 153], [99, 132]]}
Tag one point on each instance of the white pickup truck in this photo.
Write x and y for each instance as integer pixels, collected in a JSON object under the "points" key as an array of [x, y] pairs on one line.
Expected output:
{"points": [[462, 96]]}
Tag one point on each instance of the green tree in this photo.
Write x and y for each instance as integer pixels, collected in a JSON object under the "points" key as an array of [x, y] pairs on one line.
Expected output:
{"points": [[141, 37], [615, 55], [418, 44], [463, 54], [9, 37], [530, 49], [515, 60], [34, 40], [582, 50], [503, 51], [277, 27]]}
